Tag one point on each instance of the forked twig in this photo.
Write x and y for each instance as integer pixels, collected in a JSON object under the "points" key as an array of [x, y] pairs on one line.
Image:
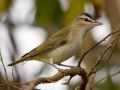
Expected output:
{"points": [[68, 80], [12, 85], [100, 58], [85, 53]]}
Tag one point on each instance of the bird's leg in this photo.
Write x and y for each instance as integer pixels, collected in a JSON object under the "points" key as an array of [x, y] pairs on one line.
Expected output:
{"points": [[77, 68], [59, 69], [55, 67], [65, 65]]}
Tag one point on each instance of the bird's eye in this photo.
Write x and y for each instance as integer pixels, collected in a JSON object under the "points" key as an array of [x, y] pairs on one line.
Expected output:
{"points": [[86, 19]]}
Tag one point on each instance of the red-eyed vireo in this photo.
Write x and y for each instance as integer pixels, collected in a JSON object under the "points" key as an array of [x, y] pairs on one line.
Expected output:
{"points": [[63, 44]]}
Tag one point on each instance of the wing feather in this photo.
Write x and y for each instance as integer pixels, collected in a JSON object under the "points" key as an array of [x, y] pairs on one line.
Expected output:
{"points": [[55, 41]]}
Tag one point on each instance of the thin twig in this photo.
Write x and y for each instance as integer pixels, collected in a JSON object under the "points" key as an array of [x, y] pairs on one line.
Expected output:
{"points": [[93, 78], [116, 38], [3, 84], [105, 78], [68, 80], [110, 55], [12, 85], [85, 53], [5, 72], [13, 75], [101, 56], [91, 82]]}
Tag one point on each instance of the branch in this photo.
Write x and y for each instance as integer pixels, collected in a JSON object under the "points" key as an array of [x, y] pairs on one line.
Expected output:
{"points": [[56, 77], [105, 78], [103, 53], [85, 53], [8, 88], [13, 76], [12, 85], [70, 72]]}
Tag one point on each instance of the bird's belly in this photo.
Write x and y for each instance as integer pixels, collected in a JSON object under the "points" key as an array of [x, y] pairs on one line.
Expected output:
{"points": [[63, 53]]}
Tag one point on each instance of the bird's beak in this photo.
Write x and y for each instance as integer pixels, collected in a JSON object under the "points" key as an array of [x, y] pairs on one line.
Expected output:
{"points": [[98, 23]]}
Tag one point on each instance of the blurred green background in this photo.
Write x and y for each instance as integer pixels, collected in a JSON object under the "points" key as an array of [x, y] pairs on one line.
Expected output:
{"points": [[24, 24]]}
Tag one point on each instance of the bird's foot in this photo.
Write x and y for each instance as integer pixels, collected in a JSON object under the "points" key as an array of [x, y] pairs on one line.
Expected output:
{"points": [[59, 69], [62, 70], [77, 68]]}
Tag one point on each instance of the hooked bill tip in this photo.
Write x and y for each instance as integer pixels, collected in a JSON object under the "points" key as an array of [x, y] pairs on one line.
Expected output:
{"points": [[99, 23]]}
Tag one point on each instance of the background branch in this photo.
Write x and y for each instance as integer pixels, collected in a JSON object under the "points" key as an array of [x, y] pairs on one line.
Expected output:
{"points": [[5, 72], [105, 78], [116, 38], [85, 53], [73, 71]]}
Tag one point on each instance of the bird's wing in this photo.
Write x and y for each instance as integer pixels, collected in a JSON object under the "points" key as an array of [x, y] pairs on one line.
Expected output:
{"points": [[55, 41]]}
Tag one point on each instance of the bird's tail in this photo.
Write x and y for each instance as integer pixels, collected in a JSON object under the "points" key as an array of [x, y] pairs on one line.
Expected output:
{"points": [[16, 62]]}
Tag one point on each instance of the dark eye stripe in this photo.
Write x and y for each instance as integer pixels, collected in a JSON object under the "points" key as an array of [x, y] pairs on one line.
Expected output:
{"points": [[87, 20]]}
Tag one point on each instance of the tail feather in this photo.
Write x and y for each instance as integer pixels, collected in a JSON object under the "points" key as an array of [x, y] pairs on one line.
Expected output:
{"points": [[16, 62]]}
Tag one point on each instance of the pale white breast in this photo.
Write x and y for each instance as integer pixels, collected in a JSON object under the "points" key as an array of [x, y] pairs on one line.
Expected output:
{"points": [[64, 52], [71, 48]]}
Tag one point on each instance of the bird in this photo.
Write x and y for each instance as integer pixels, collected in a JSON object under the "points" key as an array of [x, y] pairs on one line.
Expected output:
{"points": [[62, 45]]}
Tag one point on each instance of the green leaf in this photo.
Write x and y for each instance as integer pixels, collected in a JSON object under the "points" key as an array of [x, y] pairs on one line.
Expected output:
{"points": [[48, 12], [107, 85], [4, 5], [75, 8]]}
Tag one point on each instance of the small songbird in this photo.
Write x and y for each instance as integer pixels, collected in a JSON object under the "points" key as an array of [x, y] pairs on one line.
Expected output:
{"points": [[63, 44]]}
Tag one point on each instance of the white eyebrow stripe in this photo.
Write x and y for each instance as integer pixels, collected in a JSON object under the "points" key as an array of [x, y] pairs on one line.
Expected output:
{"points": [[86, 14]]}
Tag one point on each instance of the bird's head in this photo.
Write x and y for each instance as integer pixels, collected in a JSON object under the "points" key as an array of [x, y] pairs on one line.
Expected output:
{"points": [[85, 21]]}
